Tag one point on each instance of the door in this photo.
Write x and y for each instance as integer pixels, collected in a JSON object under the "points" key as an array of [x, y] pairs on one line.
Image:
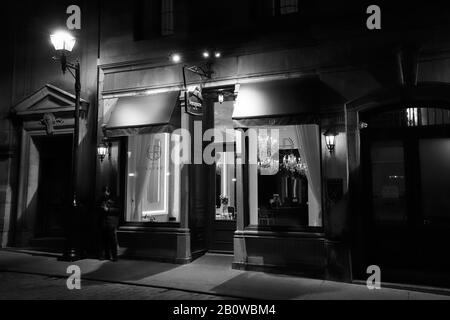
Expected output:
{"points": [[406, 173], [223, 213], [222, 179], [55, 160]]}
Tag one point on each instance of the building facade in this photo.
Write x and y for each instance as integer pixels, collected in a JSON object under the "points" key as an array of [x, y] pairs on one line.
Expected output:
{"points": [[279, 75]]}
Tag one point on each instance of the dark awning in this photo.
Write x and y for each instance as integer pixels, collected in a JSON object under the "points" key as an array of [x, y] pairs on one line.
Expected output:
{"points": [[279, 102], [144, 114]]}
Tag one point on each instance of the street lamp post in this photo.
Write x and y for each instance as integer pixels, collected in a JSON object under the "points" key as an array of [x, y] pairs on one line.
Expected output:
{"points": [[63, 43]]}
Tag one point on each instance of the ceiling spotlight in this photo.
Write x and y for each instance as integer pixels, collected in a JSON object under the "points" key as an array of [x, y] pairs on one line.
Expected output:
{"points": [[217, 54], [175, 57], [205, 54]]}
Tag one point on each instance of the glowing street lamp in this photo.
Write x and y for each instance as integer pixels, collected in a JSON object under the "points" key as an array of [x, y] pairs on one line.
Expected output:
{"points": [[64, 42]]}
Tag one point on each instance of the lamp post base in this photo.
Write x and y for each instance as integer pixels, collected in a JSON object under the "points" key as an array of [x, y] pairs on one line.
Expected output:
{"points": [[72, 249]]}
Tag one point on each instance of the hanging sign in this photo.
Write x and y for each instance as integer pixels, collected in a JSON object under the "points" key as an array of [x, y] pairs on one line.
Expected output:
{"points": [[195, 102]]}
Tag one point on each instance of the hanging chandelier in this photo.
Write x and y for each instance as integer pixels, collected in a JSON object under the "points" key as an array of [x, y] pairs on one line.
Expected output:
{"points": [[293, 165]]}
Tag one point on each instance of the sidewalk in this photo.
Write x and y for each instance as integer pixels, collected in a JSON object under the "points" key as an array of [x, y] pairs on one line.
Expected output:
{"points": [[211, 274]]}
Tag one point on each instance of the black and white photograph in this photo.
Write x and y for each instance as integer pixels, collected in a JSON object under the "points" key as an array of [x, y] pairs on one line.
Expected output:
{"points": [[224, 156]]}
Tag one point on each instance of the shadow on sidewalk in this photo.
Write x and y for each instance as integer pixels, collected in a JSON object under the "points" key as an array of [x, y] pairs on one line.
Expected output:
{"points": [[271, 287], [23, 261], [128, 270]]}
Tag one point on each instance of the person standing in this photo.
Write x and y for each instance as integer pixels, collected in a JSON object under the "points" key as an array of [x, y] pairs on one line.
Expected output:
{"points": [[110, 221]]}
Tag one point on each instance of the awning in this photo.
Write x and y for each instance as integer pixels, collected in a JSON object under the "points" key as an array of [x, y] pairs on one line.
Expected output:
{"points": [[279, 102], [144, 114]]}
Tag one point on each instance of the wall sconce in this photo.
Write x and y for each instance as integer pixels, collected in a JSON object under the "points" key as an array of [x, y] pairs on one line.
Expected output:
{"points": [[220, 97], [330, 139], [103, 150], [225, 95]]}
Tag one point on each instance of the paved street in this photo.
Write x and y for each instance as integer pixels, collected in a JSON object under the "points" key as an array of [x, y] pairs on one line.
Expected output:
{"points": [[18, 286]]}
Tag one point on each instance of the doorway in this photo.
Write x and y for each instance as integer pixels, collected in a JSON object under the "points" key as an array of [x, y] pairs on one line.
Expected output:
{"points": [[222, 202], [54, 185], [224, 212], [405, 159]]}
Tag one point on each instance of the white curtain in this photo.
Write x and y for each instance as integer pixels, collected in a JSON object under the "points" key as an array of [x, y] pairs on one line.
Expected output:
{"points": [[143, 164], [308, 137]]}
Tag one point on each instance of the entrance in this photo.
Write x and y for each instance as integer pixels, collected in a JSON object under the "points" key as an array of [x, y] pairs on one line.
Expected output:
{"points": [[406, 174], [224, 213], [54, 184], [222, 202]]}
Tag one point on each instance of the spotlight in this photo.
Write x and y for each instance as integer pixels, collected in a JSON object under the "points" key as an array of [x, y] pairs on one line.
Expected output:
{"points": [[205, 54], [175, 57], [217, 54]]}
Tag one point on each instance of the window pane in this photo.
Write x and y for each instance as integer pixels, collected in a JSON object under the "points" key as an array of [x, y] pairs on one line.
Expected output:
{"points": [[288, 6], [166, 17], [435, 175], [288, 174], [152, 180], [223, 122], [388, 181], [226, 186]]}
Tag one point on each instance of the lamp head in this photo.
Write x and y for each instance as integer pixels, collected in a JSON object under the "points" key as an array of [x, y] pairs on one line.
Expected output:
{"points": [[103, 150], [63, 41], [330, 139]]}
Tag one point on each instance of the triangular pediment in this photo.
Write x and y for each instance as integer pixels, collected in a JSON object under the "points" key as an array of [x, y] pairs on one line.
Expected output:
{"points": [[49, 99]]}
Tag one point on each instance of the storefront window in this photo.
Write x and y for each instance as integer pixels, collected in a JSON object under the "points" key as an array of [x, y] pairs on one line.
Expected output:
{"points": [[153, 181], [285, 184]]}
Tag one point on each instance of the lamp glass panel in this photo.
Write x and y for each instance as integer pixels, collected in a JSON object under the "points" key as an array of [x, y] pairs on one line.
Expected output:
{"points": [[63, 41]]}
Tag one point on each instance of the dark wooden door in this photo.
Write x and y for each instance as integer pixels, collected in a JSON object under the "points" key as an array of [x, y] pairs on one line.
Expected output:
{"points": [[406, 173], [55, 158]]}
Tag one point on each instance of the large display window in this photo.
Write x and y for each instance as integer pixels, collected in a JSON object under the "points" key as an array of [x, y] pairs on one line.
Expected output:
{"points": [[285, 182], [153, 180]]}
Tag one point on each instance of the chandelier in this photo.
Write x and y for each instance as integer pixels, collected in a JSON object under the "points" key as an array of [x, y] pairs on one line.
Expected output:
{"points": [[293, 165]]}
